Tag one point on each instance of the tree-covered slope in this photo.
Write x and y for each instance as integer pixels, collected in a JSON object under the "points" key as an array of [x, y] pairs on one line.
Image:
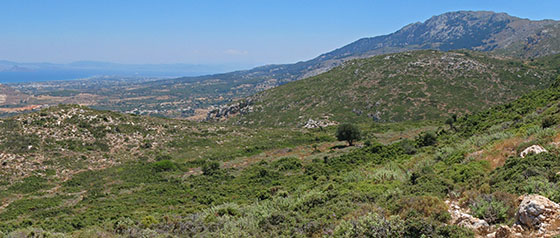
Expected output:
{"points": [[405, 86]]}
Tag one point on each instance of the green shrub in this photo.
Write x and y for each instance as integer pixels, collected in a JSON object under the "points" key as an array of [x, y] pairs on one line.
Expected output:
{"points": [[211, 168], [490, 209], [471, 174], [30, 184], [428, 183], [549, 121], [148, 221], [371, 225], [428, 206], [408, 147], [288, 163], [534, 174], [542, 186], [426, 139], [417, 226], [453, 231], [164, 165]]}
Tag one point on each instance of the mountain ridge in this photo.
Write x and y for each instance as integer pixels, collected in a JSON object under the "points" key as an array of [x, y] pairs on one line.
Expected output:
{"points": [[501, 34]]}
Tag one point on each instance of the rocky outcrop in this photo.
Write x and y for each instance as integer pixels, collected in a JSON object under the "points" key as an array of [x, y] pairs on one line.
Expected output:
{"points": [[536, 149], [462, 218], [537, 216], [226, 111], [318, 124], [538, 213]]}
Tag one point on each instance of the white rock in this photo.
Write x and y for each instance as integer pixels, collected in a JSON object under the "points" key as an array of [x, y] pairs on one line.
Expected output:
{"points": [[537, 149]]}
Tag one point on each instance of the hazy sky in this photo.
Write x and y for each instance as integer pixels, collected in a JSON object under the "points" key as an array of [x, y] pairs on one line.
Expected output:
{"points": [[214, 32]]}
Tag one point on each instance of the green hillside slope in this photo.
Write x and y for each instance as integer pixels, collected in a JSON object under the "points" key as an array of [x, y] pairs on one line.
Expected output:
{"points": [[324, 190], [399, 87]]}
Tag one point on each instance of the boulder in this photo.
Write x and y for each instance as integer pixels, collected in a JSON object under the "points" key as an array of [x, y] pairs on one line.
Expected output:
{"points": [[536, 149], [536, 211]]}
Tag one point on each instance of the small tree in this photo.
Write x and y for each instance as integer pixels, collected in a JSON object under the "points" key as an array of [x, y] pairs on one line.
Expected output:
{"points": [[450, 121], [348, 132]]}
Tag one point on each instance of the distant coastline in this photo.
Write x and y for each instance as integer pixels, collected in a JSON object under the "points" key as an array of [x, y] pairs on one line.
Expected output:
{"points": [[43, 76]]}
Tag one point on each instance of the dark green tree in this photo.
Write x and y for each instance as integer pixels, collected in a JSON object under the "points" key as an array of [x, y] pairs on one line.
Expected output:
{"points": [[450, 122], [348, 132], [426, 139]]}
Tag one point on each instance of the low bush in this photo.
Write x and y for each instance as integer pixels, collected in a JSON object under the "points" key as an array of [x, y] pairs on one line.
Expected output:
{"points": [[164, 165], [549, 121], [425, 206], [371, 225], [426, 139], [288, 163], [211, 168], [489, 208]]}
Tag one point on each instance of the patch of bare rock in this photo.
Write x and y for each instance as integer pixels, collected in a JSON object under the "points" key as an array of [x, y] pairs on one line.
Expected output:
{"points": [[310, 124]]}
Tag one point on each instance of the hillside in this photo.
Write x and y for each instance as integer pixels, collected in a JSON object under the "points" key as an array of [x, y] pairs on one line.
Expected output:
{"points": [[415, 85], [279, 182]]}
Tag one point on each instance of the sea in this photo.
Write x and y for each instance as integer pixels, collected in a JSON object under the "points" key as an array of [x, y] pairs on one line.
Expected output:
{"points": [[51, 75], [40, 76]]}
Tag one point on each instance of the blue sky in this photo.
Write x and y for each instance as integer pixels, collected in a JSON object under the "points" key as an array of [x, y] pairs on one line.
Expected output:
{"points": [[251, 32]]}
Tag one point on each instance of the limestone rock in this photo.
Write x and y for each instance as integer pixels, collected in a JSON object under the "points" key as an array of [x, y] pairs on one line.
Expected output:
{"points": [[462, 218], [536, 211], [310, 124], [537, 149]]}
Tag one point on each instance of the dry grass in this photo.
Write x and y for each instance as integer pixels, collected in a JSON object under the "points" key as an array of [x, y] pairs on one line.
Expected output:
{"points": [[500, 151]]}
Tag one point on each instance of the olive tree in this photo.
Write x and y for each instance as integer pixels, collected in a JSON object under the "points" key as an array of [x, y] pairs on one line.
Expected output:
{"points": [[348, 132]]}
